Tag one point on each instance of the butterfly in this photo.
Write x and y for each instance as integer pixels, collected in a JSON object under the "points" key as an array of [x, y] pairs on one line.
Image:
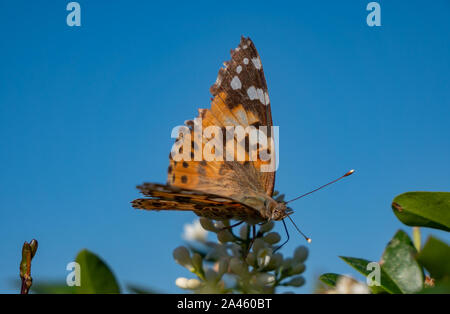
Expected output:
{"points": [[223, 189]]}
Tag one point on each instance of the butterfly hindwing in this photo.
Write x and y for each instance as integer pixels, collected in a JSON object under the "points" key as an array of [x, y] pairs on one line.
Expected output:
{"points": [[165, 197]]}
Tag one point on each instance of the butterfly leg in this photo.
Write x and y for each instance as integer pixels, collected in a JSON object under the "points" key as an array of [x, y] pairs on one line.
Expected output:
{"points": [[251, 241], [287, 233], [232, 226]]}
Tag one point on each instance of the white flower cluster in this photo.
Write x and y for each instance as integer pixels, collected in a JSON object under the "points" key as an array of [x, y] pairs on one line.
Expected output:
{"points": [[348, 285], [195, 232], [238, 263]]}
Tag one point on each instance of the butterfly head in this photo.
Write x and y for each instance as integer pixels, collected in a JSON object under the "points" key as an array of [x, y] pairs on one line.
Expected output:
{"points": [[279, 210]]}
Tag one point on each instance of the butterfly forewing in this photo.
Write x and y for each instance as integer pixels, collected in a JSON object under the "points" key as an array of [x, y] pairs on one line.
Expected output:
{"points": [[240, 99]]}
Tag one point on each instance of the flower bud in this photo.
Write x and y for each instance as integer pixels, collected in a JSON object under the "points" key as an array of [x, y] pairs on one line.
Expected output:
{"points": [[238, 267], [250, 259], [219, 225], [267, 227], [34, 246], [211, 275], [258, 244], [236, 249], [280, 198], [287, 263], [207, 224], [272, 238], [264, 279], [225, 236], [300, 254], [275, 261], [263, 257], [223, 266], [182, 282], [297, 268], [297, 281], [193, 284], [348, 285], [182, 257]]}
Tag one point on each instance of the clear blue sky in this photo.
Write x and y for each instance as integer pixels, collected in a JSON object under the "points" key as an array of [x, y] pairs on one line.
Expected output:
{"points": [[86, 114]]}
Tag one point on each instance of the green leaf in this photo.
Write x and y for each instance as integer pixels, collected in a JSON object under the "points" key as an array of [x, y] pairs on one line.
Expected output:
{"points": [[441, 288], [329, 279], [96, 277], [435, 257], [426, 209], [399, 263], [386, 283], [52, 288]]}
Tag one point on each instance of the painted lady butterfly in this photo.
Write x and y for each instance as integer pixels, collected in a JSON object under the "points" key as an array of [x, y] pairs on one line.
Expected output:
{"points": [[223, 190]]}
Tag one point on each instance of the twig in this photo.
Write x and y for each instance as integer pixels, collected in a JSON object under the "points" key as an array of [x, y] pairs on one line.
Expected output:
{"points": [[28, 252]]}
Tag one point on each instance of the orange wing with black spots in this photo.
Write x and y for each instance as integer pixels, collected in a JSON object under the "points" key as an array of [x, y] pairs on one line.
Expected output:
{"points": [[240, 100]]}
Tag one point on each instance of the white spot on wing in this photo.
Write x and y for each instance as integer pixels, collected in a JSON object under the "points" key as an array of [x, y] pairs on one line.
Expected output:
{"points": [[251, 92], [257, 93], [260, 95], [266, 96], [257, 63], [236, 83], [239, 69], [245, 61]]}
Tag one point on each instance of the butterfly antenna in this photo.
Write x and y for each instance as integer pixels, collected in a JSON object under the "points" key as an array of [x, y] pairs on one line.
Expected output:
{"points": [[298, 229], [319, 188]]}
